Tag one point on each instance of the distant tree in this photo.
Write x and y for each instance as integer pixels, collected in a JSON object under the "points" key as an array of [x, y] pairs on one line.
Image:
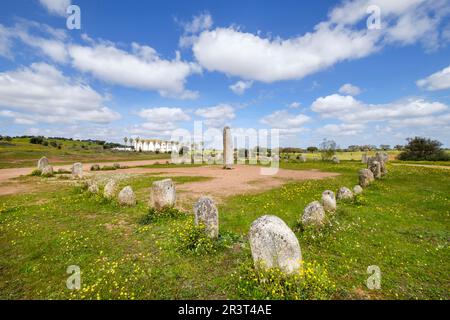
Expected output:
{"points": [[37, 140], [125, 140], [385, 147], [398, 147], [420, 148], [312, 149], [327, 149]]}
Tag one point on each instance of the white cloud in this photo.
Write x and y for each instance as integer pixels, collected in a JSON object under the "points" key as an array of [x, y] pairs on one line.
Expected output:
{"points": [[57, 7], [199, 23], [334, 105], [49, 42], [295, 105], [344, 129], [437, 81], [241, 86], [5, 42], [141, 69], [163, 115], [41, 93], [252, 57], [346, 108], [342, 37], [350, 89], [282, 119], [216, 116]]}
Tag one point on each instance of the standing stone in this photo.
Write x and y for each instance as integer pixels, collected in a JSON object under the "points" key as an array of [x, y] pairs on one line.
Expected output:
{"points": [[365, 177], [163, 194], [93, 187], [274, 245], [301, 158], [206, 212], [77, 170], [382, 158], [110, 189], [335, 159], [42, 163], [344, 193], [227, 148], [364, 158], [328, 200], [375, 167], [313, 215], [357, 189], [47, 171], [127, 197]]}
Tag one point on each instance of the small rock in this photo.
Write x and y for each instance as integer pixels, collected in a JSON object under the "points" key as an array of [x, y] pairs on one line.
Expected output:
{"points": [[206, 212], [163, 194], [77, 170], [344, 193], [365, 177], [47, 171], [110, 189], [328, 200], [93, 187], [357, 189], [335, 159], [127, 197], [274, 245], [314, 214]]}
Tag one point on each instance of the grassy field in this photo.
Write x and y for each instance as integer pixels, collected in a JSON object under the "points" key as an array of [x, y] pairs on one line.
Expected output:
{"points": [[401, 224], [21, 153]]}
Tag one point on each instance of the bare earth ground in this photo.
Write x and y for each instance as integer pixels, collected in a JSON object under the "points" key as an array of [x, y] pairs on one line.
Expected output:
{"points": [[223, 183]]}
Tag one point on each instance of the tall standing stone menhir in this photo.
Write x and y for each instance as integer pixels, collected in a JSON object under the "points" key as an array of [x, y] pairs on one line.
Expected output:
{"points": [[227, 148]]}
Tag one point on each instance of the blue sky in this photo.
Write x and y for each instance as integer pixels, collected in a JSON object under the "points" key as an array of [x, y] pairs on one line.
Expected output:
{"points": [[313, 70]]}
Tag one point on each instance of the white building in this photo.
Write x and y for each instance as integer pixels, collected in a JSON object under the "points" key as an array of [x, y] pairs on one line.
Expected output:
{"points": [[154, 145]]}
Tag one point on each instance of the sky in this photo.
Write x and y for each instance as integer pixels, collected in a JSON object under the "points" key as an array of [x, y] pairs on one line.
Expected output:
{"points": [[357, 72]]}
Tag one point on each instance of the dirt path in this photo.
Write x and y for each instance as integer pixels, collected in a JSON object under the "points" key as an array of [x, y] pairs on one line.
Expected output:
{"points": [[8, 186], [222, 183], [242, 179]]}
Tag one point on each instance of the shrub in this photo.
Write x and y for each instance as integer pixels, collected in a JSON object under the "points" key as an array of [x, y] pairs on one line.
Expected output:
{"points": [[37, 140], [310, 283], [192, 238], [95, 167], [420, 148], [327, 149], [36, 173], [108, 168], [154, 215], [63, 171]]}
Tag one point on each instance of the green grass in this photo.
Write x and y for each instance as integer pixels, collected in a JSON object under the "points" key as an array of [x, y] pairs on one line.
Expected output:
{"points": [[402, 226], [21, 153]]}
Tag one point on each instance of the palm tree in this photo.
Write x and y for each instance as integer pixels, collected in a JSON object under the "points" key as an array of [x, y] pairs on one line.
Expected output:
{"points": [[125, 140]]}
